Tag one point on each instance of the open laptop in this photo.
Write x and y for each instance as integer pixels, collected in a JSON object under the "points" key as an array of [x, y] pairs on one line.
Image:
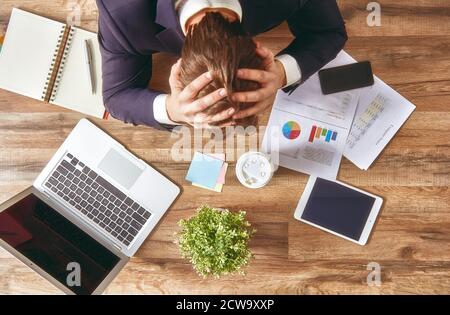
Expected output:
{"points": [[87, 213]]}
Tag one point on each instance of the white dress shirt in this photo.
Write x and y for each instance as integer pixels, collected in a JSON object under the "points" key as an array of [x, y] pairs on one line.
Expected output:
{"points": [[188, 8]]}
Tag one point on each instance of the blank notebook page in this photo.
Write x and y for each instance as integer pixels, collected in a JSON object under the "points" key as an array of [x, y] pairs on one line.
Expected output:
{"points": [[27, 53], [74, 90]]}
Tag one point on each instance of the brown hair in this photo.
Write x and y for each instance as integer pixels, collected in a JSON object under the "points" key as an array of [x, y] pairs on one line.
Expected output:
{"points": [[221, 47]]}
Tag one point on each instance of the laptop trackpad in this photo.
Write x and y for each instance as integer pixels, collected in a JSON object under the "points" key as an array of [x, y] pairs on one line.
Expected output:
{"points": [[121, 169]]}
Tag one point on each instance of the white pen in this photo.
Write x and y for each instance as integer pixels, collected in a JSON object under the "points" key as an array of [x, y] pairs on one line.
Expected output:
{"points": [[90, 65]]}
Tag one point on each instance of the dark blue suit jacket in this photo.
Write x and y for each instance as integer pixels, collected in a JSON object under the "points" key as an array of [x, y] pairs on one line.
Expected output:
{"points": [[130, 31]]}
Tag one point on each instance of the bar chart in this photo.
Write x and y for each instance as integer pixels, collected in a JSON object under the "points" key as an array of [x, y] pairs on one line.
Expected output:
{"points": [[323, 134]]}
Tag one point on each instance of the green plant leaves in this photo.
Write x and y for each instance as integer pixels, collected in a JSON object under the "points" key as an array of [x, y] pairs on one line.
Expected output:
{"points": [[216, 241]]}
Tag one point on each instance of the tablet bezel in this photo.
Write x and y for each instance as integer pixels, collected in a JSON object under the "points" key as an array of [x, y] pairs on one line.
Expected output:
{"points": [[371, 219]]}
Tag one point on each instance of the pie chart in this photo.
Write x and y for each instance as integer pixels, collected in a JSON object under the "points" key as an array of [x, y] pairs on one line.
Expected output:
{"points": [[291, 130]]}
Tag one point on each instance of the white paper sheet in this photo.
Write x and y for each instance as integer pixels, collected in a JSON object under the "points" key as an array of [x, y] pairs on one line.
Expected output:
{"points": [[324, 122], [27, 53], [380, 114], [74, 90]]}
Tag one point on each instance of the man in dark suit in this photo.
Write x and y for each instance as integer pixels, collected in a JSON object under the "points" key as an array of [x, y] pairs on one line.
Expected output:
{"points": [[131, 31]]}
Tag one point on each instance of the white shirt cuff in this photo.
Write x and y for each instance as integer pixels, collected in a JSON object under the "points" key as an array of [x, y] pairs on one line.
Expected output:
{"points": [[190, 8], [160, 111], [292, 69]]}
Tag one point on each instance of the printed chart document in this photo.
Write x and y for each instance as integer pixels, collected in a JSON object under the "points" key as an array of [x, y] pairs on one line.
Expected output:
{"points": [[380, 114], [307, 130]]}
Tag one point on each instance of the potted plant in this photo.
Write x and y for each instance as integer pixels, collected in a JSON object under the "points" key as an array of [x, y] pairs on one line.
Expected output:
{"points": [[216, 241]]}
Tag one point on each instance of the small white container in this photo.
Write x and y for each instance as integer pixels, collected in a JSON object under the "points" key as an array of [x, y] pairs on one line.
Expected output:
{"points": [[254, 170]]}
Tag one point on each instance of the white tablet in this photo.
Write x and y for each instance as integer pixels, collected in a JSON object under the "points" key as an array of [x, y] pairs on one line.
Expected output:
{"points": [[338, 208]]}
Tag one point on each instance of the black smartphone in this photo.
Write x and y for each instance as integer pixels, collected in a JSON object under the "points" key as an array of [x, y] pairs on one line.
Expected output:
{"points": [[344, 78]]}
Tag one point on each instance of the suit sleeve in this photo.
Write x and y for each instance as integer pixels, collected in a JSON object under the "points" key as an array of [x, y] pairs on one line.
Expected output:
{"points": [[125, 80], [320, 35]]}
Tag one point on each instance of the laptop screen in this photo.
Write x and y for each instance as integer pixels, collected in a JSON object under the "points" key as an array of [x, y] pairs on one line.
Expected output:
{"points": [[56, 245]]}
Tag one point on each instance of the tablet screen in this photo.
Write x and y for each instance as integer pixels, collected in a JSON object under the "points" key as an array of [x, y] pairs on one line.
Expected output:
{"points": [[338, 208], [52, 242]]}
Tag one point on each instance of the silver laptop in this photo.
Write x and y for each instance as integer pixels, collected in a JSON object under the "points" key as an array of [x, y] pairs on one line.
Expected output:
{"points": [[87, 213]]}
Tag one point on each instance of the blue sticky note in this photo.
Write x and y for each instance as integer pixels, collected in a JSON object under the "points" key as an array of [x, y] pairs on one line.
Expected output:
{"points": [[204, 170]]}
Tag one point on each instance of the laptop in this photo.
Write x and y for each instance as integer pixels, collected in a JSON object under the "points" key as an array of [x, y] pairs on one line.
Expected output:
{"points": [[87, 213]]}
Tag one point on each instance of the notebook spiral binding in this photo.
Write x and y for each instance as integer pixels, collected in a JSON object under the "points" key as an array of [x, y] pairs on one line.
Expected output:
{"points": [[62, 64], [57, 66]]}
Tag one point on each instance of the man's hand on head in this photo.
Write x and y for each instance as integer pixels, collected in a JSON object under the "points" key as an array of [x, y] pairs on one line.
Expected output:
{"points": [[183, 106], [271, 79]]}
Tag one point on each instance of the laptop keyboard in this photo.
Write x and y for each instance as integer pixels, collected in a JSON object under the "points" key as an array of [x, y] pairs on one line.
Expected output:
{"points": [[97, 199]]}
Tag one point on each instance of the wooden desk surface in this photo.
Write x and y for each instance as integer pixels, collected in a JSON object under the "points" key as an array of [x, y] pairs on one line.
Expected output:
{"points": [[411, 241]]}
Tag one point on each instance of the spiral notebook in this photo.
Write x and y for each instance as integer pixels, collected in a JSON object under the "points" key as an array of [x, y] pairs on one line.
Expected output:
{"points": [[45, 60]]}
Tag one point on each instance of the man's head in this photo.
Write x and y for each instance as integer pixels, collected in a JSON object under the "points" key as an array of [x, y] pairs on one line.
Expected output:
{"points": [[220, 46]]}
